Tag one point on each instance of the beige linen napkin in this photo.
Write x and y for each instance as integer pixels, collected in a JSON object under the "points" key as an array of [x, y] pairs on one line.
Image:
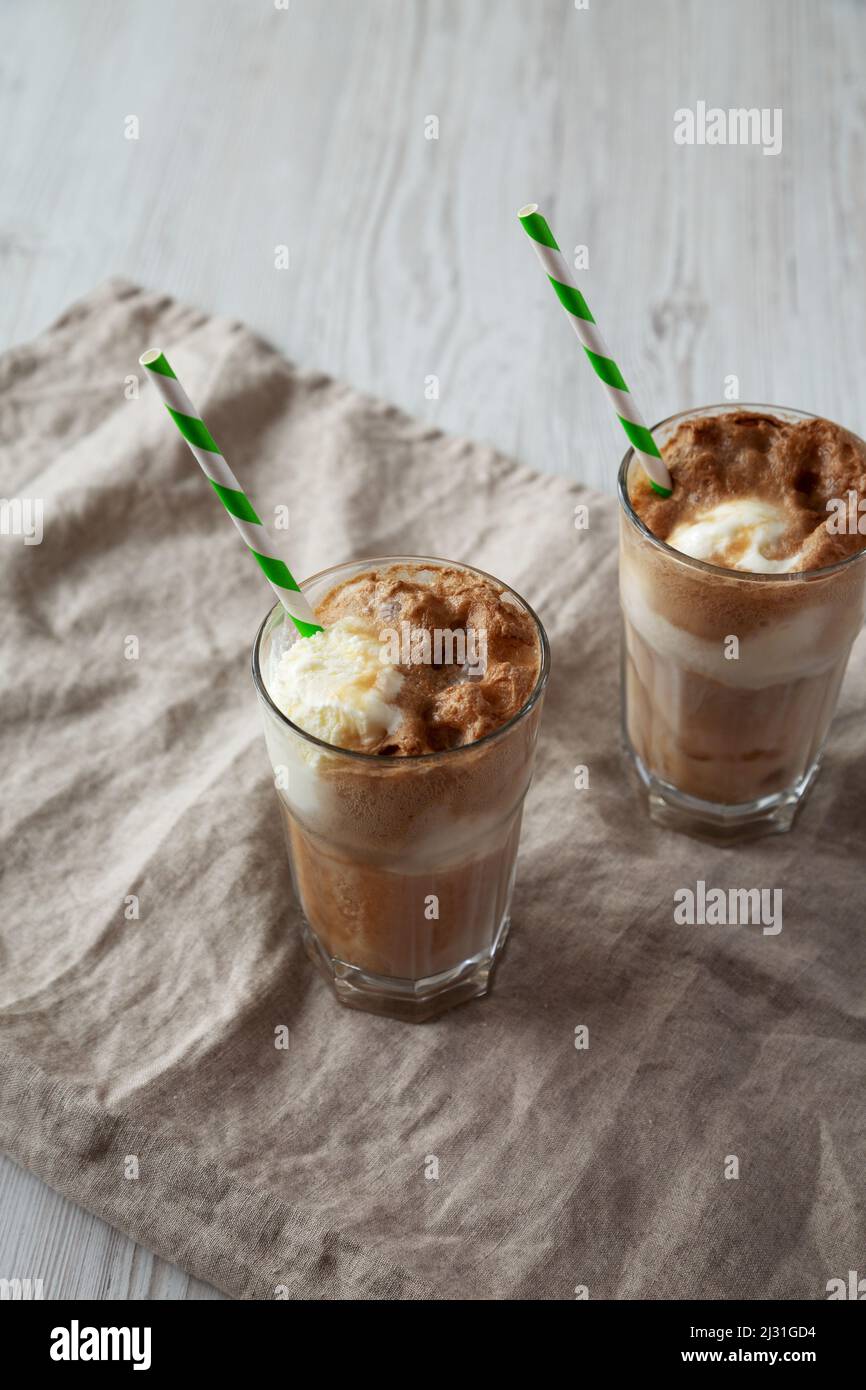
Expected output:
{"points": [[138, 1071]]}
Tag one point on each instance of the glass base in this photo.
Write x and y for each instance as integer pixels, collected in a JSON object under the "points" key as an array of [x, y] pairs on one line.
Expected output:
{"points": [[412, 1001], [708, 820]]}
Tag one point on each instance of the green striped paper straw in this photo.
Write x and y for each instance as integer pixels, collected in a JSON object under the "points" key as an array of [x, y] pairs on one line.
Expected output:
{"points": [[584, 325], [230, 492]]}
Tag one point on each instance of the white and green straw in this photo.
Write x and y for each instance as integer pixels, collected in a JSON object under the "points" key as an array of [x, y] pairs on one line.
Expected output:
{"points": [[555, 267], [227, 488]]}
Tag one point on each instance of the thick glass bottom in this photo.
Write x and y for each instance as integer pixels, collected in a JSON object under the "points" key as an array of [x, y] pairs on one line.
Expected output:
{"points": [[708, 820], [412, 1001]]}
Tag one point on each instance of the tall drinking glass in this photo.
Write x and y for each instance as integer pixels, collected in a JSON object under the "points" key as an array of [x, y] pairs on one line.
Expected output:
{"points": [[403, 867], [730, 679]]}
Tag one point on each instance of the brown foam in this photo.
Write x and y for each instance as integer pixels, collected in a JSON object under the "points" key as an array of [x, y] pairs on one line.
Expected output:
{"points": [[442, 707], [798, 466]]}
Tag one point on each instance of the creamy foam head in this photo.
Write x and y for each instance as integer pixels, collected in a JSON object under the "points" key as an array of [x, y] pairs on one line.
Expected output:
{"points": [[756, 492], [336, 686], [743, 534], [413, 659]]}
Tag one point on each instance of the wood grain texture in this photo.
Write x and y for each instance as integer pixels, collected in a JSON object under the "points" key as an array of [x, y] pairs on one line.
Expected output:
{"points": [[43, 1236], [260, 127]]}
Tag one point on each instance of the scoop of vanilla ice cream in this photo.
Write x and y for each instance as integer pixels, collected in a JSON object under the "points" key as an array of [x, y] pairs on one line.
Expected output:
{"points": [[735, 534], [336, 686]]}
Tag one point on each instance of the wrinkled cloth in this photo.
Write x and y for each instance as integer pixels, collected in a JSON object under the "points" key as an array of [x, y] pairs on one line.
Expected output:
{"points": [[150, 947]]}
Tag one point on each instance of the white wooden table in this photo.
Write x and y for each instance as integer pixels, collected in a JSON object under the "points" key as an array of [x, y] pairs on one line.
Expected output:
{"points": [[306, 128]]}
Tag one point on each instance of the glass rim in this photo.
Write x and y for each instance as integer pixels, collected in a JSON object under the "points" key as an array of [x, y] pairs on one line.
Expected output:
{"points": [[749, 576], [401, 759]]}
